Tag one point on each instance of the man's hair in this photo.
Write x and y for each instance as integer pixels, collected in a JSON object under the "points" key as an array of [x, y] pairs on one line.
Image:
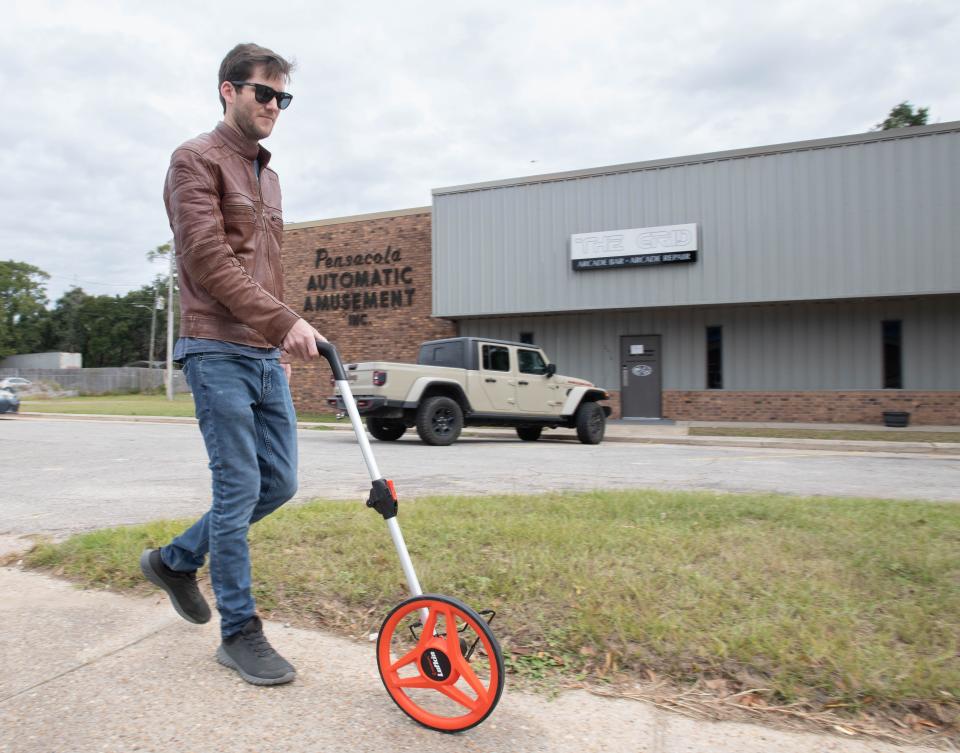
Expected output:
{"points": [[242, 59]]}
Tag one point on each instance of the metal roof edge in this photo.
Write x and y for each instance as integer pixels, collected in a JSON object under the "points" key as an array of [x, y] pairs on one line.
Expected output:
{"points": [[358, 218], [754, 151], [756, 302]]}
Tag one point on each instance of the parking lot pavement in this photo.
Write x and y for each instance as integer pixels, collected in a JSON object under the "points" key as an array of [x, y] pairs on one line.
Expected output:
{"points": [[64, 476]]}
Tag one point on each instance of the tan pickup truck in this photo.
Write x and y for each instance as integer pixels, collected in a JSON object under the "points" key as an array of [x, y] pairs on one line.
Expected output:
{"points": [[473, 381]]}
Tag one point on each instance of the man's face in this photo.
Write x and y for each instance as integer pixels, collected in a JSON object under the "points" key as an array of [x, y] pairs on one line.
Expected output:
{"points": [[252, 119]]}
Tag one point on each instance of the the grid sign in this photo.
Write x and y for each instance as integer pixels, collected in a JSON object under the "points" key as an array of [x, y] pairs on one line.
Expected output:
{"points": [[638, 247]]}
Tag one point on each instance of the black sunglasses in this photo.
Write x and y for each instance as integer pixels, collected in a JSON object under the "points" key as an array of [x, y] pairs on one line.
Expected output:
{"points": [[264, 94]]}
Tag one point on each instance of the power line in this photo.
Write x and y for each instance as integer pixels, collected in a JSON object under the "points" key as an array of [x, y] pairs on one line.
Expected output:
{"points": [[94, 282]]}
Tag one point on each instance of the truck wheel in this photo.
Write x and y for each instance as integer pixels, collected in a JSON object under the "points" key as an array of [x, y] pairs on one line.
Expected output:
{"points": [[529, 433], [591, 423], [439, 420], [386, 431]]}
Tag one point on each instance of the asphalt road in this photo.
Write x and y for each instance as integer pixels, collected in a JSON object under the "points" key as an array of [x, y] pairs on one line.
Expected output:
{"points": [[61, 476]]}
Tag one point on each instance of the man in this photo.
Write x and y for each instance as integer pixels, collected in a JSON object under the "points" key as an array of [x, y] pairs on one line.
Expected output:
{"points": [[223, 202]]}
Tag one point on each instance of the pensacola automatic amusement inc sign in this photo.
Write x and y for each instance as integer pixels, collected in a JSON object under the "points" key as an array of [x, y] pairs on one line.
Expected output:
{"points": [[638, 247]]}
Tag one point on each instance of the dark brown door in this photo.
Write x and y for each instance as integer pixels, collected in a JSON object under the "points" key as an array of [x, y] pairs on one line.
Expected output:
{"points": [[640, 380]]}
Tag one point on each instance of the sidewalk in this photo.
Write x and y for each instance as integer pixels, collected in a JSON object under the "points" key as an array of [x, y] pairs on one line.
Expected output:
{"points": [[95, 671], [645, 433]]}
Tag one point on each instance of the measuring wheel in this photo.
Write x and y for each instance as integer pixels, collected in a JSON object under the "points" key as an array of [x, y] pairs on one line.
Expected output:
{"points": [[437, 657], [440, 662]]}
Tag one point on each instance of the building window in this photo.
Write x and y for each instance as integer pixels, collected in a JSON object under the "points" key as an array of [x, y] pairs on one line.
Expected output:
{"points": [[893, 355], [714, 358], [526, 338]]}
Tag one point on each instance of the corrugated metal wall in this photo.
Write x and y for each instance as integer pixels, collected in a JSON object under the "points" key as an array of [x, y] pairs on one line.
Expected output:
{"points": [[856, 219], [800, 346]]}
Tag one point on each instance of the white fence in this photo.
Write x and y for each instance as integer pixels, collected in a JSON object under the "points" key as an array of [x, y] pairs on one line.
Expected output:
{"points": [[99, 381]]}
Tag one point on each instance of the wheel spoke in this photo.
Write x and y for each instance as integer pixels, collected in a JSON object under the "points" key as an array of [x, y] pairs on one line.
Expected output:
{"points": [[459, 662], [407, 658], [455, 694], [425, 636], [413, 682], [429, 628], [453, 637], [466, 672]]}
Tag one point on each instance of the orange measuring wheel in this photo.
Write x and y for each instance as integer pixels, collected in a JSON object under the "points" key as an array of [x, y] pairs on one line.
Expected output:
{"points": [[440, 662], [437, 657]]}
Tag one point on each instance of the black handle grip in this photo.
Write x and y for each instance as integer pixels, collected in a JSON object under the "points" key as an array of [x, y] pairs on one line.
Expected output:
{"points": [[329, 351]]}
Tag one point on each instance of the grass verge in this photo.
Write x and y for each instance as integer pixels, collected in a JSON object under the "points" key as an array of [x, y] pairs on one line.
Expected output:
{"points": [[849, 434], [823, 603], [132, 405]]}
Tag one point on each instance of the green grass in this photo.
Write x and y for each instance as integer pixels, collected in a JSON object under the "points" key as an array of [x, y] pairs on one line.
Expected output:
{"points": [[900, 435], [115, 405], [132, 405], [819, 600]]}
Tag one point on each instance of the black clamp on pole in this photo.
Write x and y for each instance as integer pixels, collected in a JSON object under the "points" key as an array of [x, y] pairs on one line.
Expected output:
{"points": [[383, 498]]}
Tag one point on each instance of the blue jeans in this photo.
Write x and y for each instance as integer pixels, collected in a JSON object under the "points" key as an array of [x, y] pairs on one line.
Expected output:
{"points": [[250, 430]]}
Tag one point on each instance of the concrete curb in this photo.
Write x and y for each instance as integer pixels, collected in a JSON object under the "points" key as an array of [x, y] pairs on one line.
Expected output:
{"points": [[617, 433]]}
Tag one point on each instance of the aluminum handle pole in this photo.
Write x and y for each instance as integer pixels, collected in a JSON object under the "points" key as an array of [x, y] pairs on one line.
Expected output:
{"points": [[412, 583], [358, 429]]}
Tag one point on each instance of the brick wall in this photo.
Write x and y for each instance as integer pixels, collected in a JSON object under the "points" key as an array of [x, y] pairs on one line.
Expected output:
{"points": [[841, 406], [365, 283]]}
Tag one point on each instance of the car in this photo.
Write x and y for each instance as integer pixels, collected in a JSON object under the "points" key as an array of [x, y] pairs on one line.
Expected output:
{"points": [[9, 402], [474, 381], [14, 383]]}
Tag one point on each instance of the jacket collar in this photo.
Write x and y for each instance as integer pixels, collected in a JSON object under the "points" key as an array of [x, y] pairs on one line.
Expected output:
{"points": [[248, 149]]}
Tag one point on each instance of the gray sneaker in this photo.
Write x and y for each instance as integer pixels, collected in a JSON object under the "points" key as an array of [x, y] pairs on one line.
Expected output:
{"points": [[250, 653], [180, 587]]}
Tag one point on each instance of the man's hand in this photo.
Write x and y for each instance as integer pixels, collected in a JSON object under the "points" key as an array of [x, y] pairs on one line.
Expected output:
{"points": [[287, 371], [301, 341]]}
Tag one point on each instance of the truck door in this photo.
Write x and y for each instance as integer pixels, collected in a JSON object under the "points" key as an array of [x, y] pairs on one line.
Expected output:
{"points": [[497, 377], [536, 393]]}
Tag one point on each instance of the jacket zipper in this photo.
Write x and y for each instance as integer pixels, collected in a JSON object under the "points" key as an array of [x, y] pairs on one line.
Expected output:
{"points": [[266, 233]]}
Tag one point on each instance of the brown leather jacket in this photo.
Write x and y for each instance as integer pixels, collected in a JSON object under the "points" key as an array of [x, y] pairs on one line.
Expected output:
{"points": [[227, 229]]}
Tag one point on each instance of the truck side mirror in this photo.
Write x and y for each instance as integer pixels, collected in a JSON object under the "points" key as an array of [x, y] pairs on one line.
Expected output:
{"points": [[551, 369]]}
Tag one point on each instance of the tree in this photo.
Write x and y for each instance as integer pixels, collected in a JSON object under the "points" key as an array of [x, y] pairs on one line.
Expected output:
{"points": [[23, 300], [106, 330], [65, 332], [160, 252], [903, 116], [162, 287]]}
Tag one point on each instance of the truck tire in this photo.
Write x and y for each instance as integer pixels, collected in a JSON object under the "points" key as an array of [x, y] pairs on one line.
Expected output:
{"points": [[529, 433], [439, 421], [591, 423], [386, 431]]}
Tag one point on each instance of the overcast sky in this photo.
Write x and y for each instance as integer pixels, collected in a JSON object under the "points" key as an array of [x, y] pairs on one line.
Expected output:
{"points": [[392, 99]]}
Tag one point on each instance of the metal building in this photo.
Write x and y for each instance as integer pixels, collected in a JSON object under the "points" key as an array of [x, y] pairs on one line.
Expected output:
{"points": [[817, 280]]}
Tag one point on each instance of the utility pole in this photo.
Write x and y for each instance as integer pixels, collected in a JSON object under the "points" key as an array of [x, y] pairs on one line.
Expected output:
{"points": [[173, 254], [157, 303]]}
